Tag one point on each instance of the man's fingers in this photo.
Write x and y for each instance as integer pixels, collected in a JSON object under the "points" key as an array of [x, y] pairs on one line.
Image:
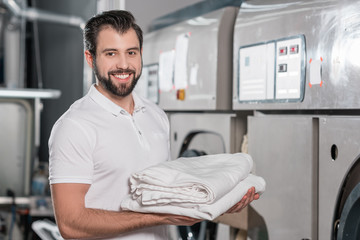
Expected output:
{"points": [[246, 200]]}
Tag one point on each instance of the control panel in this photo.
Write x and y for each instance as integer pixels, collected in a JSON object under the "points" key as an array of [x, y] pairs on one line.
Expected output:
{"points": [[273, 71], [148, 84]]}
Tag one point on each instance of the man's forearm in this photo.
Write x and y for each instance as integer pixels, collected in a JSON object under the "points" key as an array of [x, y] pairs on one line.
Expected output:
{"points": [[92, 223], [76, 221]]}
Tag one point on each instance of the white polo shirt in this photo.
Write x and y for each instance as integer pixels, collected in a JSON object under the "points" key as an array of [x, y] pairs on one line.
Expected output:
{"points": [[97, 142]]}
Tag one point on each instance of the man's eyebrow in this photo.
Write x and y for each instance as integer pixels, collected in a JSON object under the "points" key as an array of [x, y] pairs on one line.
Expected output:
{"points": [[116, 50], [134, 48], [109, 50]]}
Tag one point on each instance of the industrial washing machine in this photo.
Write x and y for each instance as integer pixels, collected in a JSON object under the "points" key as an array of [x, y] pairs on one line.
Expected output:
{"points": [[339, 177], [296, 64], [188, 72], [196, 134]]}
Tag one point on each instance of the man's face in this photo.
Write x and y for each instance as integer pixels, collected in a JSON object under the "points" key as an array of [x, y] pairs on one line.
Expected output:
{"points": [[118, 64]]}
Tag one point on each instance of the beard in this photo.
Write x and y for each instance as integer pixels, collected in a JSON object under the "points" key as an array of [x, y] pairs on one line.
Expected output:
{"points": [[122, 89]]}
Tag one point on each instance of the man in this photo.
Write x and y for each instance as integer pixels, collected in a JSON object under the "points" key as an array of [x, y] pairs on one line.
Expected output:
{"points": [[107, 135]]}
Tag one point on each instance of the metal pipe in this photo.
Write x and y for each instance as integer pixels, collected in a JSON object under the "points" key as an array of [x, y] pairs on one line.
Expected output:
{"points": [[33, 14], [36, 46], [36, 14], [13, 7]]}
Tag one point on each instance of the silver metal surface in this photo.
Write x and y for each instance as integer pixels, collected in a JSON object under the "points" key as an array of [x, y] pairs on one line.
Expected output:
{"points": [[227, 127], [332, 42], [16, 124], [13, 50], [344, 133], [284, 152], [29, 93], [195, 57], [18, 200], [33, 14], [20, 135]]}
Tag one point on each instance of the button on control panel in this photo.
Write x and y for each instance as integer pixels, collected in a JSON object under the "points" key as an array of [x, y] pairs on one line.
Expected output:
{"points": [[294, 49], [282, 51], [282, 67]]}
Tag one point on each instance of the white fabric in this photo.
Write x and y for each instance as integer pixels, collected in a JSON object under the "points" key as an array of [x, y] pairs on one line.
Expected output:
{"points": [[201, 187], [97, 142]]}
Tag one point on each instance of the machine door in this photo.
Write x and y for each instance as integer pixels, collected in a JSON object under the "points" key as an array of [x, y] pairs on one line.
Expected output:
{"points": [[339, 178], [284, 152], [206, 130], [199, 143]]}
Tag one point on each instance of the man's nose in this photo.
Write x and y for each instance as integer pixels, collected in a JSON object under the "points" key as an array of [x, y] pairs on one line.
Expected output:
{"points": [[122, 61]]}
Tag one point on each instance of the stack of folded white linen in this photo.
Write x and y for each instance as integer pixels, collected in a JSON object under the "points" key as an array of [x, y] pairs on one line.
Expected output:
{"points": [[200, 187]]}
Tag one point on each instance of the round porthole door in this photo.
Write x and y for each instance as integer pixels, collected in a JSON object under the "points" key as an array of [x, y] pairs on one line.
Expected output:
{"points": [[347, 217]]}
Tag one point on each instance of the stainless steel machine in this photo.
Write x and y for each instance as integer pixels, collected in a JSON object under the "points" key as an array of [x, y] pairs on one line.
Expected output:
{"points": [[188, 72], [17, 149], [295, 69], [185, 58], [196, 134], [20, 121], [296, 64]]}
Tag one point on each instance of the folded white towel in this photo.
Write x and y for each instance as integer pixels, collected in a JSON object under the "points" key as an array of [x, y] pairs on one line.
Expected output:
{"points": [[200, 187]]}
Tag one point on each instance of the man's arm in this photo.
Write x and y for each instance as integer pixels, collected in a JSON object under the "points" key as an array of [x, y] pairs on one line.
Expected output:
{"points": [[76, 221]]}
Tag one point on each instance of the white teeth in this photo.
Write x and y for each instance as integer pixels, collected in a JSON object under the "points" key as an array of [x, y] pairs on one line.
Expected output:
{"points": [[122, 76]]}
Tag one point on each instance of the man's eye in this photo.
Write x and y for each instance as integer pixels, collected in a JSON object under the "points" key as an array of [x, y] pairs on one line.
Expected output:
{"points": [[110, 54], [132, 53]]}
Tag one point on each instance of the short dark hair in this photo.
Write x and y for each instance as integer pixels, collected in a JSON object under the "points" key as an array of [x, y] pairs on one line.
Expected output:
{"points": [[119, 20]]}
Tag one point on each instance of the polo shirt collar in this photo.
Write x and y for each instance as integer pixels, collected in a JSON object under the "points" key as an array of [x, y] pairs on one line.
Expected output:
{"points": [[139, 103], [110, 106]]}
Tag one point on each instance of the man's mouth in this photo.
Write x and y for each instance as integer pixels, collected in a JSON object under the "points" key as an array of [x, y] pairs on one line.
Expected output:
{"points": [[121, 76]]}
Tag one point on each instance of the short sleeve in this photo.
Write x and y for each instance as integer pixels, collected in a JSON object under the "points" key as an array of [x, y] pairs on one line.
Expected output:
{"points": [[70, 151]]}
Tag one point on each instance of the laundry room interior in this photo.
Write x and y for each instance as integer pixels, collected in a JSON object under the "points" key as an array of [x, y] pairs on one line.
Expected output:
{"points": [[246, 114]]}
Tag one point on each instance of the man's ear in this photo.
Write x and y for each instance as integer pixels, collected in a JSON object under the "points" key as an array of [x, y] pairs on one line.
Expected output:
{"points": [[89, 58]]}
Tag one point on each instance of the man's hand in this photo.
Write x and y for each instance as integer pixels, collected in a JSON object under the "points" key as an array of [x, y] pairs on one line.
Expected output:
{"points": [[248, 198], [188, 221], [180, 220]]}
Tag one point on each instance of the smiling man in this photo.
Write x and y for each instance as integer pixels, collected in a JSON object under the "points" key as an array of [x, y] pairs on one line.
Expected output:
{"points": [[117, 65], [106, 136]]}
